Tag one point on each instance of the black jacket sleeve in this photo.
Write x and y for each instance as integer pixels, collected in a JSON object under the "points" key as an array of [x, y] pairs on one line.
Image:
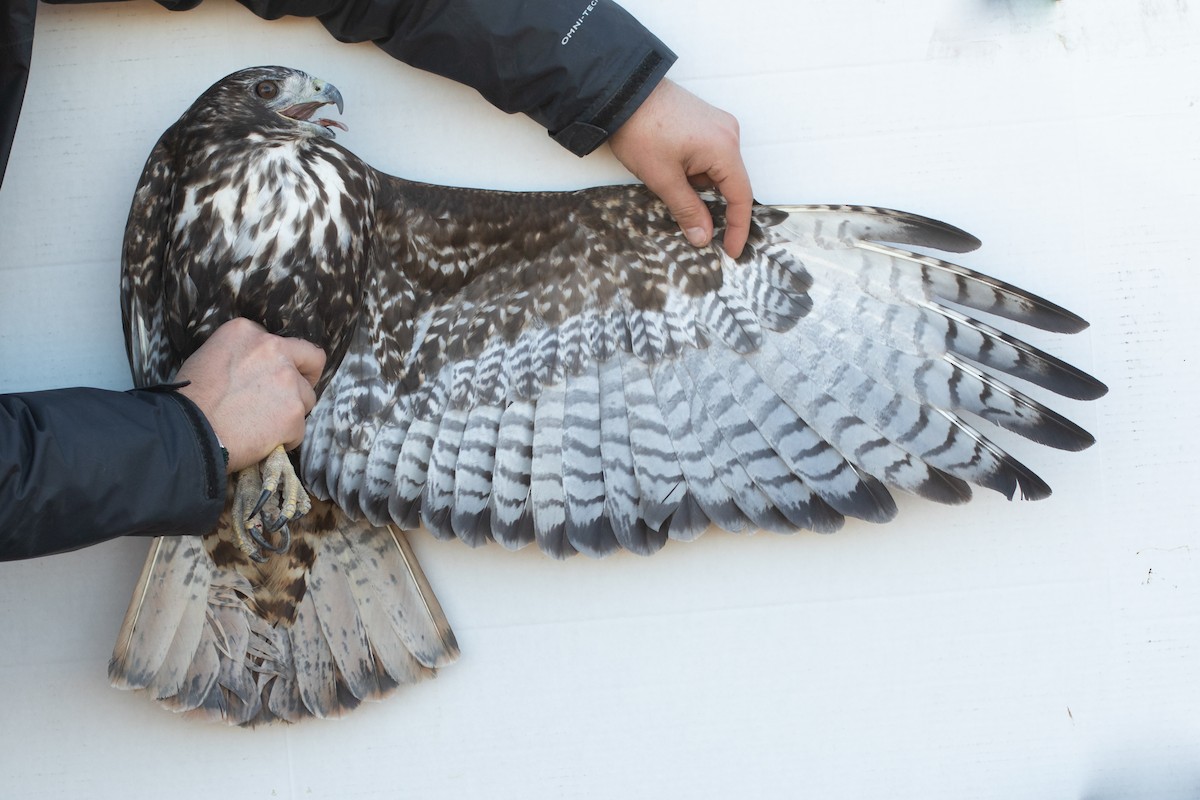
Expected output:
{"points": [[16, 51], [80, 466], [578, 67]]}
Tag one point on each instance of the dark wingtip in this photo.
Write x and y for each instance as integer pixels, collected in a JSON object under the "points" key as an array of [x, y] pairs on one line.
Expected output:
{"points": [[1098, 389], [1066, 379], [516, 535], [687, 522], [1018, 477], [944, 488], [437, 521], [870, 501], [555, 542], [1045, 314], [594, 538], [643, 540], [930, 232], [1062, 434], [473, 529]]}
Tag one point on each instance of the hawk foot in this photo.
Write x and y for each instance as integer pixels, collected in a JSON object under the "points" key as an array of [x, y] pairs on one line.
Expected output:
{"points": [[266, 498]]}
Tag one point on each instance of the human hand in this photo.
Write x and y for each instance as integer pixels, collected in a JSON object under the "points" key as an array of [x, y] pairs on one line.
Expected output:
{"points": [[675, 140], [254, 388]]}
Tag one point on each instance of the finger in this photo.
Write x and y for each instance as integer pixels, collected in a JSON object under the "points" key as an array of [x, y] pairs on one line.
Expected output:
{"points": [[297, 418], [685, 206], [308, 397], [295, 437], [241, 328], [308, 358], [739, 202]]}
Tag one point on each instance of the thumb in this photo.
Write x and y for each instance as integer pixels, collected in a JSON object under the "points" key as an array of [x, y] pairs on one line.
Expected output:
{"points": [[686, 207]]}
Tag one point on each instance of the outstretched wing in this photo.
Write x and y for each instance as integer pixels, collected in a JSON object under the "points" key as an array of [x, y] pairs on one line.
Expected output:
{"points": [[566, 369]]}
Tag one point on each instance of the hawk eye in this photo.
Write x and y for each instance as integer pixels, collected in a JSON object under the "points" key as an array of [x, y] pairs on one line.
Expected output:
{"points": [[267, 90]]}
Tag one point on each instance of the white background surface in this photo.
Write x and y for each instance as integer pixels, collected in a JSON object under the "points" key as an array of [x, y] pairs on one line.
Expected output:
{"points": [[1005, 650]]}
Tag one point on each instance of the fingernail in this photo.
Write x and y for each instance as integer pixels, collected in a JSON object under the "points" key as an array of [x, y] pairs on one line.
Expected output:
{"points": [[697, 236]]}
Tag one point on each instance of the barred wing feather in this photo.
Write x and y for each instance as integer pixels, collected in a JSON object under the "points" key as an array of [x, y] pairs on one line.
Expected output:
{"points": [[571, 372]]}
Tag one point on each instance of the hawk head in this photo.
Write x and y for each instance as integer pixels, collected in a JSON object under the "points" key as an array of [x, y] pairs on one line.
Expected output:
{"points": [[269, 100]]}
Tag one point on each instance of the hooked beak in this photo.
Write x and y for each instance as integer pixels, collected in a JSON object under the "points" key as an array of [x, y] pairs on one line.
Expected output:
{"points": [[323, 94]]}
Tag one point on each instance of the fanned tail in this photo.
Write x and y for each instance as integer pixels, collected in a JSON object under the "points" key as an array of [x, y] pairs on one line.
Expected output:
{"points": [[346, 615]]}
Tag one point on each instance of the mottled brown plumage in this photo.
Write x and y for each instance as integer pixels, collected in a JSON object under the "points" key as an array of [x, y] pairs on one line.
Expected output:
{"points": [[560, 368], [235, 216]]}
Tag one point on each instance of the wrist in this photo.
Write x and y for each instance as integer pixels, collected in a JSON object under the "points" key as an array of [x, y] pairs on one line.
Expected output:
{"points": [[583, 136]]}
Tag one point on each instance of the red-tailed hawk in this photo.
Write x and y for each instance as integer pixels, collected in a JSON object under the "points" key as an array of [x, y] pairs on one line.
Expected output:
{"points": [[560, 368]]}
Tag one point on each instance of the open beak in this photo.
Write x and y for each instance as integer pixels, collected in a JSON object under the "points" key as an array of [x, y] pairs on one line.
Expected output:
{"points": [[324, 94]]}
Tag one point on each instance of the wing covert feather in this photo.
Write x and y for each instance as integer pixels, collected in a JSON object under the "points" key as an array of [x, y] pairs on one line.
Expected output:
{"points": [[143, 259]]}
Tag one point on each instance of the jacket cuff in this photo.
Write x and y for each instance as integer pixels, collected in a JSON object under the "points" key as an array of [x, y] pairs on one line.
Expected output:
{"points": [[79, 466], [584, 136], [213, 454]]}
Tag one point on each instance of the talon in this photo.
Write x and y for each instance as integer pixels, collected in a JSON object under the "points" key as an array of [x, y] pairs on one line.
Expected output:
{"points": [[271, 482], [262, 501], [285, 537], [259, 539], [279, 522]]}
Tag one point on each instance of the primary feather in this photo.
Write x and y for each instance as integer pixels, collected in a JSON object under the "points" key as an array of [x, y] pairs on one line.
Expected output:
{"points": [[560, 368]]}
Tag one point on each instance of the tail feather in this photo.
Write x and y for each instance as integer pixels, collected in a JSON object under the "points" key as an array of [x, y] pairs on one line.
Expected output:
{"points": [[174, 579], [389, 567], [341, 626], [396, 663], [318, 679], [347, 615]]}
